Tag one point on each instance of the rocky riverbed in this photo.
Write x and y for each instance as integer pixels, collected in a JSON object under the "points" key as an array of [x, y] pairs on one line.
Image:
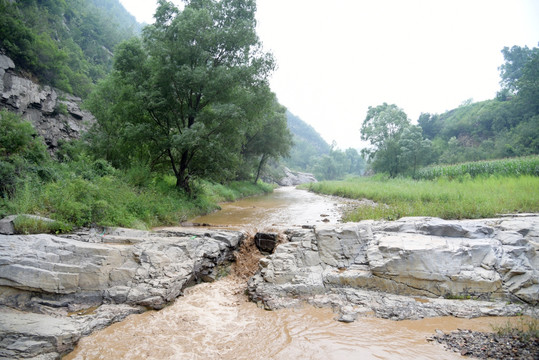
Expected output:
{"points": [[491, 345], [407, 269], [54, 290]]}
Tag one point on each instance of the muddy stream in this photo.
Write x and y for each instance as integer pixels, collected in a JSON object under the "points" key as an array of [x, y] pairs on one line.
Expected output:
{"points": [[216, 320]]}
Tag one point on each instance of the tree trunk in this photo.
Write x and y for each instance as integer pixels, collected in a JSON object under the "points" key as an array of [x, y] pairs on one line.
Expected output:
{"points": [[182, 176], [260, 165]]}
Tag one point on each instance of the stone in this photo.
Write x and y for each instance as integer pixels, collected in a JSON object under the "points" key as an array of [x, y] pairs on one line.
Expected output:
{"points": [[266, 242], [293, 178], [465, 268], [43, 278]]}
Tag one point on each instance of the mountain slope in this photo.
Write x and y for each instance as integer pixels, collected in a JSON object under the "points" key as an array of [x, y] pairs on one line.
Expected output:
{"points": [[308, 144]]}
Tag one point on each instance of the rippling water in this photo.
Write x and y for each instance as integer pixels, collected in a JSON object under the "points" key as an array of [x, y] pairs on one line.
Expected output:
{"points": [[215, 320]]}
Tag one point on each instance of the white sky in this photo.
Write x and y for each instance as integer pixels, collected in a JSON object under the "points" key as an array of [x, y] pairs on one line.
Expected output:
{"points": [[337, 58]]}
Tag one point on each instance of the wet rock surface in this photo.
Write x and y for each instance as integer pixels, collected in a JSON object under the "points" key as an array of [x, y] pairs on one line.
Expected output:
{"points": [[53, 290], [483, 345], [407, 269]]}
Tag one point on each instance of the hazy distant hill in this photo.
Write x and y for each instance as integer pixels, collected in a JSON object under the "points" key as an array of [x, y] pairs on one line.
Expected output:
{"points": [[308, 144]]}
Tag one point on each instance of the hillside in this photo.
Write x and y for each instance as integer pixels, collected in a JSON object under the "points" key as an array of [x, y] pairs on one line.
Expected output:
{"points": [[308, 144], [65, 44]]}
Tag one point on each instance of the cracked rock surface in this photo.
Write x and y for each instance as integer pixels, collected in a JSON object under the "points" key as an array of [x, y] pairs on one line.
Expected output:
{"points": [[407, 269]]}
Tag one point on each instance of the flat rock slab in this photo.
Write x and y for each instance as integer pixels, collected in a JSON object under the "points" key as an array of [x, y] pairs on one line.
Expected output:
{"points": [[27, 334], [463, 268]]}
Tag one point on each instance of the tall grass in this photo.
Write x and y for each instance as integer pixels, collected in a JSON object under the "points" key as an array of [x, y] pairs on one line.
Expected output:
{"points": [[528, 165], [469, 198], [88, 193]]}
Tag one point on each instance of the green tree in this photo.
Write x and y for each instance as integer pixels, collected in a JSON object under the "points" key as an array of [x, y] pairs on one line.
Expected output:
{"points": [[415, 150], [270, 138], [200, 77], [22, 153], [357, 164], [383, 127], [528, 84], [511, 71]]}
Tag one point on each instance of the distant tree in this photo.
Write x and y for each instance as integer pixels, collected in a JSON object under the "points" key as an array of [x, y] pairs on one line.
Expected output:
{"points": [[528, 83], [269, 139], [415, 151], [430, 124], [383, 127], [357, 164]]}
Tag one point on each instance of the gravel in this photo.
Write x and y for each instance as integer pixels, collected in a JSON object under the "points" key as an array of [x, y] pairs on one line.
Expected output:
{"points": [[485, 345]]}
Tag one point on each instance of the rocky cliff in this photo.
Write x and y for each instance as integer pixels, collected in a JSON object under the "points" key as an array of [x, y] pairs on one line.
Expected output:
{"points": [[53, 290], [56, 115], [407, 269]]}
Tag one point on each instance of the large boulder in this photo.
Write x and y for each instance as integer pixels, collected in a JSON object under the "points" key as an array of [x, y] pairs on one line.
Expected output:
{"points": [[112, 273], [382, 266], [293, 178]]}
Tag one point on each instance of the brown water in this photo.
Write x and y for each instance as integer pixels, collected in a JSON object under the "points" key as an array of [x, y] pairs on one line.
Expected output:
{"points": [[285, 207], [215, 320]]}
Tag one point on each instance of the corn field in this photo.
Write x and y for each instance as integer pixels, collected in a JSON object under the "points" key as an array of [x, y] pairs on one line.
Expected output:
{"points": [[528, 165]]}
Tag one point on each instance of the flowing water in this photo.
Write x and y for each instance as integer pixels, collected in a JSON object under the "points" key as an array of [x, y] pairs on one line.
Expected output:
{"points": [[216, 321]]}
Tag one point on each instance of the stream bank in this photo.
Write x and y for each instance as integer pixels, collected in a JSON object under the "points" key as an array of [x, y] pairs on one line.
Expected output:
{"points": [[55, 290]]}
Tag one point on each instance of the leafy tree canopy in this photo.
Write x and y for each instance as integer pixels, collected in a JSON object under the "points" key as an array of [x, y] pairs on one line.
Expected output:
{"points": [[197, 81]]}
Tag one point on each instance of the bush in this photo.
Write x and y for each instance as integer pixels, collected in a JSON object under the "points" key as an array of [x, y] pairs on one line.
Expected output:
{"points": [[23, 154]]}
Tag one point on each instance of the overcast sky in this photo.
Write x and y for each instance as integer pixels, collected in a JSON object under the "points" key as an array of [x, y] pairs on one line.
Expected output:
{"points": [[337, 58]]}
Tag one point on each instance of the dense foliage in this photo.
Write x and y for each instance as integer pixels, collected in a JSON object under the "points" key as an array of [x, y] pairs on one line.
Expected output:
{"points": [[81, 190], [192, 96], [397, 146], [66, 44]]}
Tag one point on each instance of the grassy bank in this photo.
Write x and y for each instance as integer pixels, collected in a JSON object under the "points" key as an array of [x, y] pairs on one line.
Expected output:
{"points": [[468, 198], [87, 193], [77, 189]]}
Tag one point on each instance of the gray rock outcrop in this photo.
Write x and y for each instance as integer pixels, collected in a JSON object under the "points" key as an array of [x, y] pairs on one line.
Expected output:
{"points": [[293, 178], [55, 115], [407, 269], [53, 290]]}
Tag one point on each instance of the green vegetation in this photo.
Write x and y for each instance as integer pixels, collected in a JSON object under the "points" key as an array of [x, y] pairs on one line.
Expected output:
{"points": [[503, 167], [311, 153], [81, 190], [499, 128], [66, 44], [469, 198], [191, 97], [33, 225], [526, 328]]}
